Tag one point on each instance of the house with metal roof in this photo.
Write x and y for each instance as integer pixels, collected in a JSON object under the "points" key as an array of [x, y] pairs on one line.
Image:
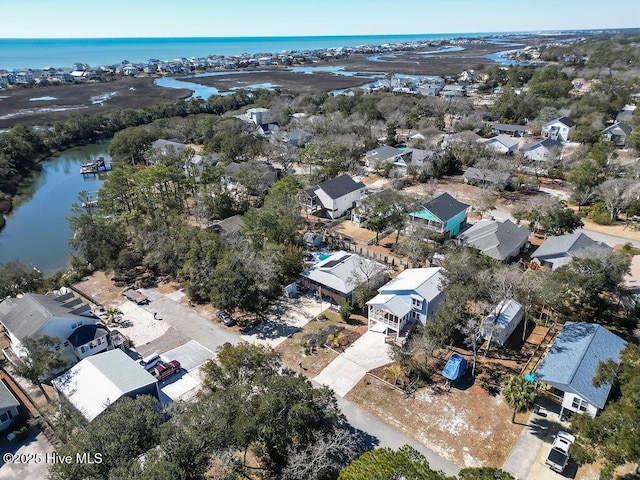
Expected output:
{"points": [[558, 251], [101, 380], [498, 326], [559, 129], [334, 197], [502, 144], [296, 138], [410, 298], [618, 133], [167, 147], [8, 406], [64, 316], [502, 240], [541, 150], [442, 214], [572, 362], [338, 275]]}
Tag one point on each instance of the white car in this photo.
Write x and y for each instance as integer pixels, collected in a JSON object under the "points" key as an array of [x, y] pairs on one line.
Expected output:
{"points": [[559, 455]]}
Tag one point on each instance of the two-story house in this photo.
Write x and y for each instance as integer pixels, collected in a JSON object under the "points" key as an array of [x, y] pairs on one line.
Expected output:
{"points": [[410, 298], [559, 129], [379, 157], [572, 363], [442, 214], [334, 197], [64, 317], [560, 250]]}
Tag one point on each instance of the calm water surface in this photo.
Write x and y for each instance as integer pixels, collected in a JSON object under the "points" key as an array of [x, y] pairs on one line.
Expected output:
{"points": [[37, 230]]}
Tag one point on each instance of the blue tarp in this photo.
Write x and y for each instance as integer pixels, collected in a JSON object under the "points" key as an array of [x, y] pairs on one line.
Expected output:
{"points": [[455, 367]]}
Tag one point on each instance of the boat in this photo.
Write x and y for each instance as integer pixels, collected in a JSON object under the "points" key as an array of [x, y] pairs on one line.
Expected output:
{"points": [[98, 165]]}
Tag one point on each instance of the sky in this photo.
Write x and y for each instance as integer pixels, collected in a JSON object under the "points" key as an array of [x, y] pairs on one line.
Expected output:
{"points": [[238, 18]]}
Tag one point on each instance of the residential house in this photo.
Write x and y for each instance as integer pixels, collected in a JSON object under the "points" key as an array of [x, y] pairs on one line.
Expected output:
{"points": [[378, 157], [64, 317], [264, 176], [506, 129], [431, 136], [502, 240], [96, 382], [442, 214], [267, 129], [487, 178], [296, 138], [411, 298], [24, 77], [572, 363], [558, 251], [8, 79], [418, 158], [498, 326], [466, 136], [167, 147], [542, 150], [8, 406], [626, 114], [195, 165], [63, 76], [618, 133], [258, 115], [334, 197], [559, 129], [338, 276], [502, 144]]}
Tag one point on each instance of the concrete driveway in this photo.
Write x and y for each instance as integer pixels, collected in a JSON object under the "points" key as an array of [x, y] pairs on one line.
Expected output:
{"points": [[33, 450], [345, 371]]}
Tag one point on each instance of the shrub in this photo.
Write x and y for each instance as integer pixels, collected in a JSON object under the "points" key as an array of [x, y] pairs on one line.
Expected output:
{"points": [[599, 214]]}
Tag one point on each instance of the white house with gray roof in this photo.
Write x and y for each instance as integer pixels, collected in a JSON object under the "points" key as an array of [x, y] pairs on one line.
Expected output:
{"points": [[378, 157], [541, 150], [559, 129], [558, 251], [334, 197], [339, 275], [502, 144], [411, 298], [500, 240], [65, 317], [8, 406], [618, 133], [498, 326], [101, 380], [572, 362]]}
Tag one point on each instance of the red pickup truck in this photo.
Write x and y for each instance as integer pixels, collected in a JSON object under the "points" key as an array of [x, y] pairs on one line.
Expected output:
{"points": [[164, 370]]}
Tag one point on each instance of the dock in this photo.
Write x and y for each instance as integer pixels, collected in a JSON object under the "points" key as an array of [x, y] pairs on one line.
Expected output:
{"points": [[97, 166]]}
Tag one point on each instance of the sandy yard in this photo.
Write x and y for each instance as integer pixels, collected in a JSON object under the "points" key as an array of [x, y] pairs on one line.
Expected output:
{"points": [[352, 230], [139, 324]]}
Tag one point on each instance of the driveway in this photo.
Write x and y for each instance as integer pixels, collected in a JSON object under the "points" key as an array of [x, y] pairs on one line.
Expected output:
{"points": [[34, 450], [345, 371]]}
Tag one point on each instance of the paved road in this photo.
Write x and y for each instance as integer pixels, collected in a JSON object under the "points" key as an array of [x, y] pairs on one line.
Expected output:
{"points": [[212, 336]]}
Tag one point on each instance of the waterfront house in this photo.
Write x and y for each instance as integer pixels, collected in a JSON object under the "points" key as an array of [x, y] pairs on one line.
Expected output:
{"points": [[559, 129], [335, 197], [618, 133], [572, 363], [502, 144], [167, 147], [96, 382], [411, 298], [24, 77], [64, 317], [502, 240], [542, 150], [338, 276], [8, 406], [442, 214], [558, 251]]}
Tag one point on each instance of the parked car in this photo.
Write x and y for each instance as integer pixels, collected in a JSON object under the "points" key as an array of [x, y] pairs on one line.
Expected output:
{"points": [[164, 370], [559, 455], [226, 318]]}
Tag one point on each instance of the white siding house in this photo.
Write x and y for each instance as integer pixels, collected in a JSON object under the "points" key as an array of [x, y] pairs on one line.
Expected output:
{"points": [[335, 197], [559, 129]]}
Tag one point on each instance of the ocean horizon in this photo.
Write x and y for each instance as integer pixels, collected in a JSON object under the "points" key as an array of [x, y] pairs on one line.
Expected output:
{"points": [[35, 53]]}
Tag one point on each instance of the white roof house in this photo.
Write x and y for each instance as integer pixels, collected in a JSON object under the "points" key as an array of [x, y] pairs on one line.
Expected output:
{"points": [[411, 297], [98, 381], [502, 144], [502, 321], [338, 275]]}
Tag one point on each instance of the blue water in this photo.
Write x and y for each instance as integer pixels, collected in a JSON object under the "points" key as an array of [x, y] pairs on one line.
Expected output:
{"points": [[37, 230], [323, 256], [60, 52]]}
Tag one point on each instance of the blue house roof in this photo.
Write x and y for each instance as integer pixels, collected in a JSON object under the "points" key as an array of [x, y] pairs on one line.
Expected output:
{"points": [[573, 360]]}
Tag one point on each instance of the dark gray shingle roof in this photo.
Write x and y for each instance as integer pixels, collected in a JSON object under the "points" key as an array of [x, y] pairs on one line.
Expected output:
{"points": [[445, 207], [496, 239], [567, 244], [573, 360], [86, 333], [339, 186]]}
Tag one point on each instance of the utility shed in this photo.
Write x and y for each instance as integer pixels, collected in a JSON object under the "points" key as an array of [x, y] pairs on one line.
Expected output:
{"points": [[502, 321]]}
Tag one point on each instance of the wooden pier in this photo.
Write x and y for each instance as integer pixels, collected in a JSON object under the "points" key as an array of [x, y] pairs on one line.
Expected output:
{"points": [[97, 166]]}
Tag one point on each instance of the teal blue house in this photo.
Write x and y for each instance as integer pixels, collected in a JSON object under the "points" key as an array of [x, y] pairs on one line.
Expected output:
{"points": [[442, 214]]}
